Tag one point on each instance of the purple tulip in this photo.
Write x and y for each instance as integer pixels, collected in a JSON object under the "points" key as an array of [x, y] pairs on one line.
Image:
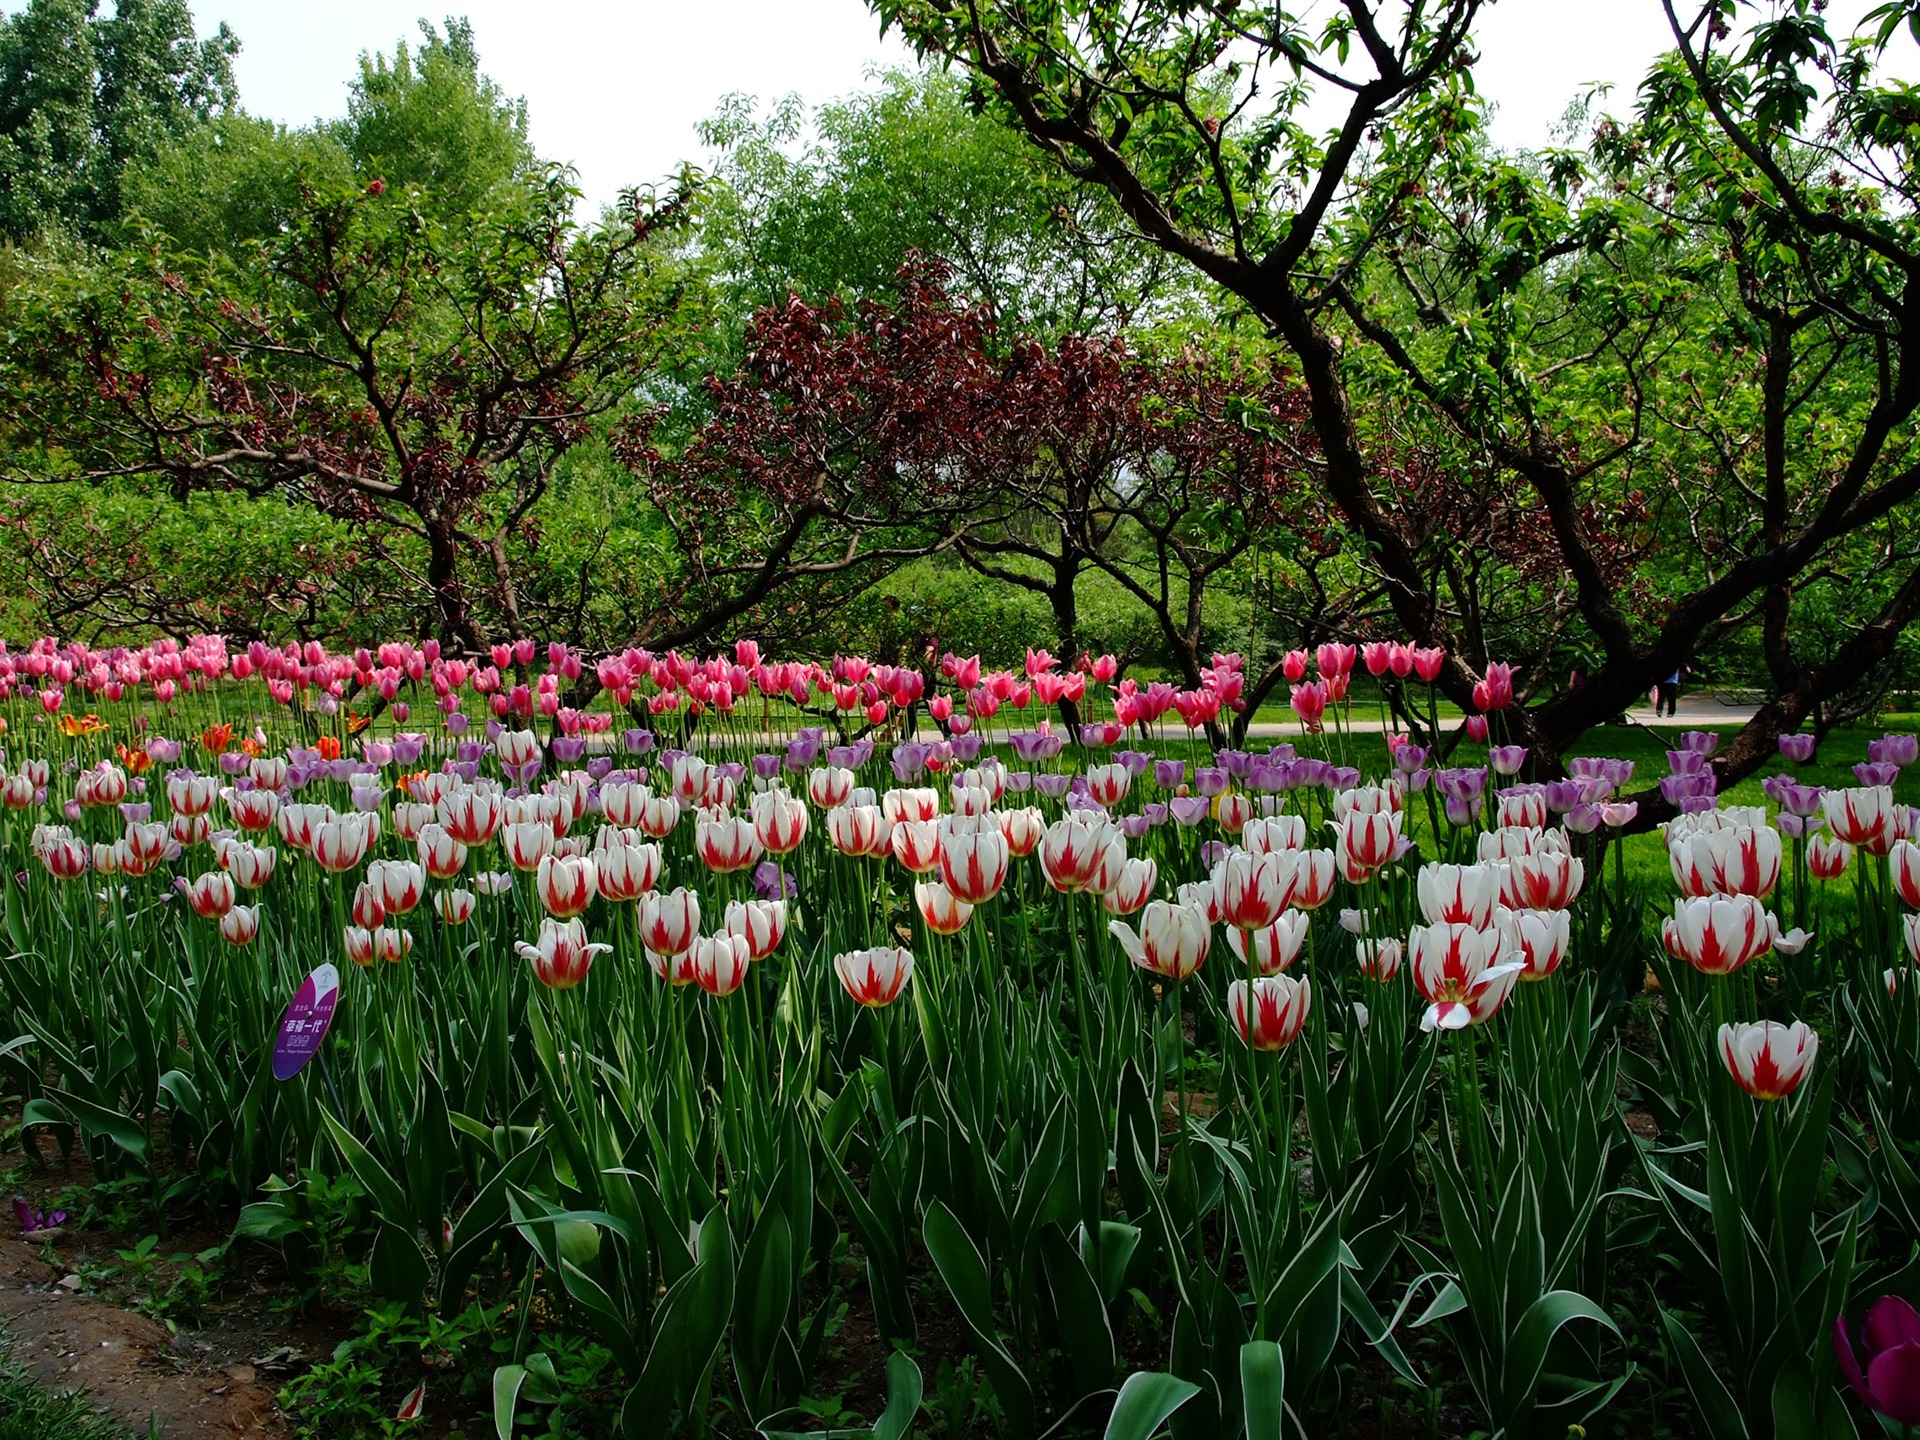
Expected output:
{"points": [[1465, 785], [1584, 818], [599, 767], [733, 770], [1562, 795], [1800, 799], [1019, 781], [1701, 742], [133, 814], [1409, 758], [1888, 1382], [1169, 774], [469, 752], [1797, 827], [379, 752], [1267, 775], [1133, 826], [1884, 772], [36, 1222], [408, 746], [1136, 761], [1900, 750], [1187, 809], [1797, 748], [1154, 813], [1032, 745], [844, 757], [1680, 788], [1507, 759], [457, 723], [1209, 780], [1461, 811], [569, 749], [1237, 763], [1342, 777], [770, 882], [909, 760], [233, 762], [1052, 786], [163, 751], [1686, 762], [1213, 852], [1312, 772], [965, 747], [1698, 804]]}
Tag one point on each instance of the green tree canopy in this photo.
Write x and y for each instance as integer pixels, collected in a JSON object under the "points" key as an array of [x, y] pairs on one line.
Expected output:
{"points": [[424, 119], [829, 205], [86, 99]]}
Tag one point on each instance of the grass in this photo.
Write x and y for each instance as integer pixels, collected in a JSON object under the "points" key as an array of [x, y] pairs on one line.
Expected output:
{"points": [[30, 1411]]}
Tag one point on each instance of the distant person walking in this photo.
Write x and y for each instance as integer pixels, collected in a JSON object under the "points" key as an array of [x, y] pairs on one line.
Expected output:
{"points": [[1666, 695]]}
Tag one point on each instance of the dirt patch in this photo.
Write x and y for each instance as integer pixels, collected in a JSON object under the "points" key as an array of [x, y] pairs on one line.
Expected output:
{"points": [[127, 1364]]}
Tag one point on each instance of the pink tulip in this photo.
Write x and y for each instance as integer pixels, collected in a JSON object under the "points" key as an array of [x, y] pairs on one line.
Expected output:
{"points": [[875, 977], [940, 911], [859, 830], [455, 906], [779, 821], [1719, 934], [1171, 942], [1310, 703], [720, 963], [566, 884], [210, 895], [1253, 890], [1464, 972], [240, 925], [1132, 887], [668, 923], [1278, 1012], [761, 923], [1335, 659], [561, 956], [973, 863], [1274, 949], [1766, 1059], [1828, 858], [626, 872]]}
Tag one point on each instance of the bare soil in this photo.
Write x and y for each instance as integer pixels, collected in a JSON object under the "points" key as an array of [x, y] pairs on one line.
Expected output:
{"points": [[126, 1363]]}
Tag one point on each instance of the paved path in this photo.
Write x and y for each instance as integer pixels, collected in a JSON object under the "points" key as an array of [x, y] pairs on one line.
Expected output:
{"points": [[1696, 712]]}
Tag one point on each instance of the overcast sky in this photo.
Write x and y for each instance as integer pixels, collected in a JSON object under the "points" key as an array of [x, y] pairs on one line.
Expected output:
{"points": [[615, 87]]}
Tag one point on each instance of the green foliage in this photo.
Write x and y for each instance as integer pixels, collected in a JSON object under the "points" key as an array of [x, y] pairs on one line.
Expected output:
{"points": [[428, 118], [30, 1411], [86, 100], [832, 203]]}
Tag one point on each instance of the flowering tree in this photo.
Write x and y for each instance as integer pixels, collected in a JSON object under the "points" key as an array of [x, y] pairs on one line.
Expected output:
{"points": [[418, 377], [1498, 305], [850, 443]]}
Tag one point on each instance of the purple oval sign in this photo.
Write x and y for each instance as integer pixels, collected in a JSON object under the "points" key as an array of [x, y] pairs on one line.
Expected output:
{"points": [[305, 1024]]}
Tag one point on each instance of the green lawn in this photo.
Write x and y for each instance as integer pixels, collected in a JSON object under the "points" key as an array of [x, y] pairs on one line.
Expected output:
{"points": [[28, 1411]]}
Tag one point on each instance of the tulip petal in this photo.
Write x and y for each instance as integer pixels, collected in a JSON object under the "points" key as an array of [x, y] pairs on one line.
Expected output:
{"points": [[1893, 1381], [1890, 1321]]}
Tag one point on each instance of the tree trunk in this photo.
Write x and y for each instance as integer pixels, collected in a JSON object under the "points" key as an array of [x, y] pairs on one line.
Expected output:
{"points": [[443, 579]]}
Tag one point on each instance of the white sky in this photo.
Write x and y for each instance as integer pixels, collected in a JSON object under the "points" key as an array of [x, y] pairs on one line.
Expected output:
{"points": [[615, 87]]}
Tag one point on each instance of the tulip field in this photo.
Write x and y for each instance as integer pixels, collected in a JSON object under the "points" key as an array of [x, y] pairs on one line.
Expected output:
{"points": [[993, 1047]]}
